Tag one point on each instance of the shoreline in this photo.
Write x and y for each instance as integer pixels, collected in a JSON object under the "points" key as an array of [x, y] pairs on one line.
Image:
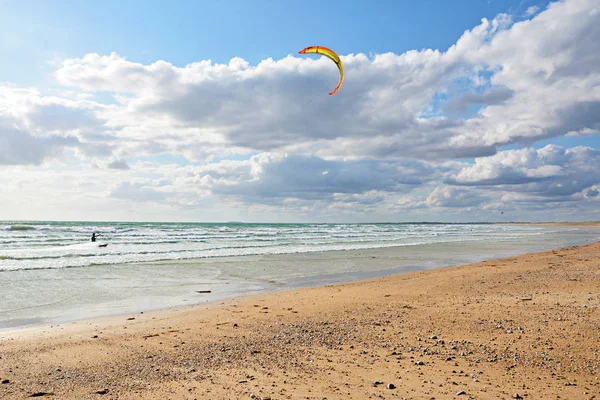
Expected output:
{"points": [[358, 265], [516, 326]]}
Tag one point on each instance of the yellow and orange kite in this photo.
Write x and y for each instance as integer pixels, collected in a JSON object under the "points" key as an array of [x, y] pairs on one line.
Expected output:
{"points": [[330, 54]]}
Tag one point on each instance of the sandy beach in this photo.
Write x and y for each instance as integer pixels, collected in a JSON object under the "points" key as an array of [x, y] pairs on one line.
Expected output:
{"points": [[518, 327]]}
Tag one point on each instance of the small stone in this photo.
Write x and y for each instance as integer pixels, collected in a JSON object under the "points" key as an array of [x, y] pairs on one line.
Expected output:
{"points": [[103, 391], [517, 396], [434, 337], [461, 393], [391, 386], [419, 363], [252, 396], [5, 381]]}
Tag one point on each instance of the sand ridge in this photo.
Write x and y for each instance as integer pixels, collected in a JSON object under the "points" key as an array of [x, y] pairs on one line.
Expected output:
{"points": [[518, 327]]}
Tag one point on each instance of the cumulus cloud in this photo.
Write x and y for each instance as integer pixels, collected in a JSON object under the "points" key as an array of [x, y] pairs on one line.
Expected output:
{"points": [[493, 96], [272, 177], [139, 192], [19, 147], [592, 193], [549, 171], [34, 127], [447, 196], [532, 11], [531, 79], [118, 164]]}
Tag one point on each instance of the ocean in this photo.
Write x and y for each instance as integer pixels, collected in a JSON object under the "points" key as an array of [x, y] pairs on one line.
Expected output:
{"points": [[51, 272]]}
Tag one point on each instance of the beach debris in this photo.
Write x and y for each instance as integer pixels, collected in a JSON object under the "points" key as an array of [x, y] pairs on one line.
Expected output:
{"points": [[517, 396], [130, 318], [203, 291], [149, 336], [461, 393], [5, 381], [42, 394], [103, 391], [377, 383]]}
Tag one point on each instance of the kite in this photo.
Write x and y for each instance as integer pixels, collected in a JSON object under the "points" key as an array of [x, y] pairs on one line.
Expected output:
{"points": [[330, 54]]}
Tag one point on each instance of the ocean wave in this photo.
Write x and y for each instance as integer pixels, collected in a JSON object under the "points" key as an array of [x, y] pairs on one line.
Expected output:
{"points": [[217, 252], [45, 245]]}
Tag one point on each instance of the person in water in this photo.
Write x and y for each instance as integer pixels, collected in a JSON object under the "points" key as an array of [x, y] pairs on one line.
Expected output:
{"points": [[94, 237]]}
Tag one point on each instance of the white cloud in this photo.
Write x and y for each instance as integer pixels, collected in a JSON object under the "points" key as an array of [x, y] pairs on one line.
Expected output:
{"points": [[118, 164], [549, 171], [542, 71], [19, 147], [532, 10], [274, 177], [447, 196]]}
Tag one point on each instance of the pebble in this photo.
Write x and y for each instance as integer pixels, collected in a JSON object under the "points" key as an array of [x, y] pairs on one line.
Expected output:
{"points": [[252, 395], [461, 393], [391, 386]]}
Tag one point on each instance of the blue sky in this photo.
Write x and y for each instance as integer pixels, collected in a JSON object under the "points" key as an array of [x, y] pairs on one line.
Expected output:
{"points": [[450, 111], [36, 32]]}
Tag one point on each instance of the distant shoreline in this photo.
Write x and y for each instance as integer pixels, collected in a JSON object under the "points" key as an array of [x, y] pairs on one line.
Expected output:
{"points": [[586, 224], [560, 223]]}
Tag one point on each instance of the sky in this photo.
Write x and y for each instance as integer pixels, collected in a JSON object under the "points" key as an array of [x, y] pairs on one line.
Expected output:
{"points": [[204, 111]]}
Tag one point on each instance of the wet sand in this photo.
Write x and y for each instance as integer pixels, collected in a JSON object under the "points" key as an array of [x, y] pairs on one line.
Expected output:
{"points": [[518, 327]]}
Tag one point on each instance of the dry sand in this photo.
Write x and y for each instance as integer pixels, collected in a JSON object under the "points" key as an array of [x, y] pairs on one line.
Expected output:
{"points": [[519, 327]]}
